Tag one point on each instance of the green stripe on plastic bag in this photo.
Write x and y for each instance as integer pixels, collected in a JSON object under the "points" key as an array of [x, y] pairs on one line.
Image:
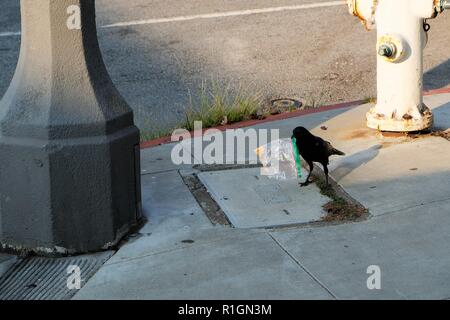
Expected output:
{"points": [[298, 162]]}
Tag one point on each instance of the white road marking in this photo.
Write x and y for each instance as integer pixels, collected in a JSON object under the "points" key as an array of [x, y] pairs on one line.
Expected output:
{"points": [[228, 14], [213, 15], [9, 34]]}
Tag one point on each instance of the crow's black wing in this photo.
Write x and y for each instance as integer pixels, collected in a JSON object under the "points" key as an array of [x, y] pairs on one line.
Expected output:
{"points": [[321, 150]]}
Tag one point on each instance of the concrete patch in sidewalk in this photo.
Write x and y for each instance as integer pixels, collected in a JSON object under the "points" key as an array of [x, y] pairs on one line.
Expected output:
{"points": [[250, 200]]}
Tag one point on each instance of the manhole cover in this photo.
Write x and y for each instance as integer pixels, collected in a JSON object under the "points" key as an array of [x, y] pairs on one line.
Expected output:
{"points": [[286, 104]]}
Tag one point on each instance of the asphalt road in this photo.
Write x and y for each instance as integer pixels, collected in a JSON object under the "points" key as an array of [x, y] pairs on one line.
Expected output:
{"points": [[318, 55]]}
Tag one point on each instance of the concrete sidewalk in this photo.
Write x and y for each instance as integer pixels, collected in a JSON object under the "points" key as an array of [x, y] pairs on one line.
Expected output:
{"points": [[403, 181]]}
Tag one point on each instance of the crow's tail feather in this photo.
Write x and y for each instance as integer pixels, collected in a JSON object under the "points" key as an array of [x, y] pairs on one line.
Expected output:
{"points": [[337, 152]]}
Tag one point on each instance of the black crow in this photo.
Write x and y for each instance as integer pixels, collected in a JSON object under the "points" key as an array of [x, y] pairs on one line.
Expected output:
{"points": [[314, 149]]}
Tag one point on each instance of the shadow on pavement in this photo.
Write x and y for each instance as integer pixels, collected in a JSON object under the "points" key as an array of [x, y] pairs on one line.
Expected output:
{"points": [[350, 163], [437, 77]]}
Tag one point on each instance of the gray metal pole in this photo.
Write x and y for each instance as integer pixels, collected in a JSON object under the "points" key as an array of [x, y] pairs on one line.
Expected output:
{"points": [[69, 157]]}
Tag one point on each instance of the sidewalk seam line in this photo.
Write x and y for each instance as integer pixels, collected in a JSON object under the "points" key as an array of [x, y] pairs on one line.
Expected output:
{"points": [[169, 250], [158, 172], [311, 275], [411, 207]]}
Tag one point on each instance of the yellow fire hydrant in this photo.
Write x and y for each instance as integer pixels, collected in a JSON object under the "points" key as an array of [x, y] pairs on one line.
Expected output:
{"points": [[402, 36]]}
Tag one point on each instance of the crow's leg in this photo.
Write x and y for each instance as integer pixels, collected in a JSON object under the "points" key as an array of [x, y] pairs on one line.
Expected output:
{"points": [[311, 167], [325, 169]]}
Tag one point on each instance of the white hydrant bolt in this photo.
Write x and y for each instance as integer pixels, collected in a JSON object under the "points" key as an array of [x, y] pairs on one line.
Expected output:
{"points": [[401, 40]]}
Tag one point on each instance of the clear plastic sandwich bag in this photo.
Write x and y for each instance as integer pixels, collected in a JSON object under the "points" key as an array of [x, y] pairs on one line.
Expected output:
{"points": [[280, 159]]}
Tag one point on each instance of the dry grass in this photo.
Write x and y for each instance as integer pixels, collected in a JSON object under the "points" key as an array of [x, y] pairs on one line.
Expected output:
{"points": [[217, 105], [339, 209]]}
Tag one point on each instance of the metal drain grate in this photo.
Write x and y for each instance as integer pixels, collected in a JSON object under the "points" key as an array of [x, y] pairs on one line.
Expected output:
{"points": [[37, 278]]}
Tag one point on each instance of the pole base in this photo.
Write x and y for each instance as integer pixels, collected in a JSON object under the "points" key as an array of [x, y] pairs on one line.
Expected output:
{"points": [[68, 196], [407, 123]]}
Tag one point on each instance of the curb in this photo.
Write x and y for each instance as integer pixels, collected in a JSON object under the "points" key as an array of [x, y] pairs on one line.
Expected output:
{"points": [[436, 91], [278, 117]]}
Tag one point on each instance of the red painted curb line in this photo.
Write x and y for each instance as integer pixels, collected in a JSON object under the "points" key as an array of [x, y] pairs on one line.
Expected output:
{"points": [[436, 91], [277, 117], [248, 123]]}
